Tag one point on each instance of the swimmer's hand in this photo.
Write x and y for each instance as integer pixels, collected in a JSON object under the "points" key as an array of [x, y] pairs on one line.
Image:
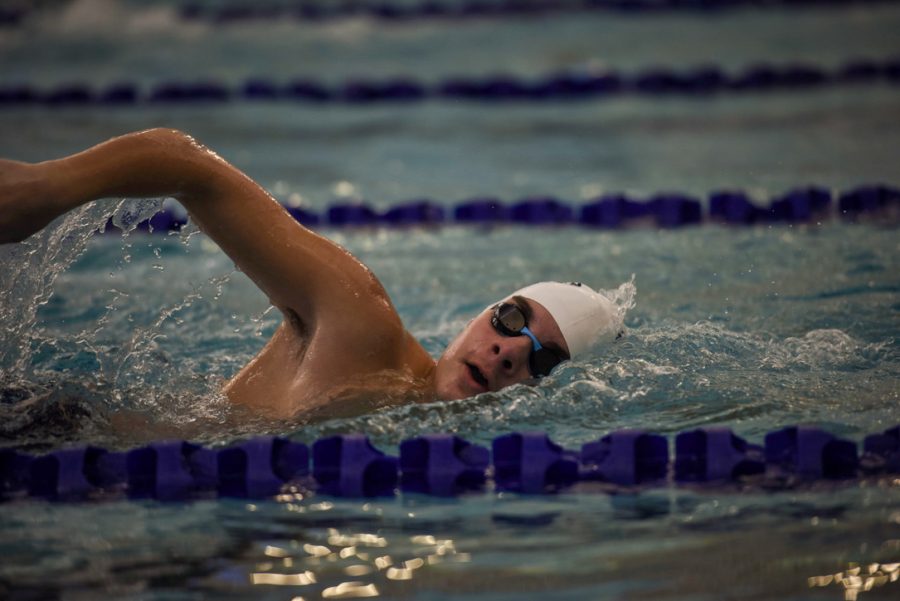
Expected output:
{"points": [[25, 205]]}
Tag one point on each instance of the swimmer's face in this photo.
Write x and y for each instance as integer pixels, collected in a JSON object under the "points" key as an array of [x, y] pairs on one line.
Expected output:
{"points": [[481, 359]]}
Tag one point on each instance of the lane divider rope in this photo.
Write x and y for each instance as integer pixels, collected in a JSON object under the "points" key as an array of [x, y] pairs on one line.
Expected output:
{"points": [[446, 465], [697, 82], [667, 210]]}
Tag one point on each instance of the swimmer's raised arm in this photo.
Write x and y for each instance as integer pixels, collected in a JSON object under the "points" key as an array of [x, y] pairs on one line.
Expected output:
{"points": [[301, 272]]}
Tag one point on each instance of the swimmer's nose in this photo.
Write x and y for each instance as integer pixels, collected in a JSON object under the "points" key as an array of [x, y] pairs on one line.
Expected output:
{"points": [[511, 353]]}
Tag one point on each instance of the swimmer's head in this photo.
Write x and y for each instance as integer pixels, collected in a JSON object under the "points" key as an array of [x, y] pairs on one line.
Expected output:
{"points": [[567, 319], [584, 316]]}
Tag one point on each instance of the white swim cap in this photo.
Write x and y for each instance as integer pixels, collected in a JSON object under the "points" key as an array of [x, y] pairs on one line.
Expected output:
{"points": [[584, 316]]}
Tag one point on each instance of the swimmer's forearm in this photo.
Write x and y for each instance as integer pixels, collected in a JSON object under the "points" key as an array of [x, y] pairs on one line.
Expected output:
{"points": [[153, 163]]}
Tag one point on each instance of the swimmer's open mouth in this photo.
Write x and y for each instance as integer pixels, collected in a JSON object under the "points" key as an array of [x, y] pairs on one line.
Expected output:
{"points": [[478, 376]]}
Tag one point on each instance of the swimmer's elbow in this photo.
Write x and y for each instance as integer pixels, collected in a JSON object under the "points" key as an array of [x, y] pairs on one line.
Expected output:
{"points": [[197, 170], [167, 136], [177, 144], [171, 143]]}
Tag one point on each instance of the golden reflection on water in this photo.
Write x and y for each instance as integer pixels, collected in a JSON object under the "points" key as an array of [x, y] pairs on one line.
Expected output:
{"points": [[317, 550], [276, 551], [304, 579], [351, 540], [398, 574], [349, 590], [383, 562], [323, 559], [857, 579]]}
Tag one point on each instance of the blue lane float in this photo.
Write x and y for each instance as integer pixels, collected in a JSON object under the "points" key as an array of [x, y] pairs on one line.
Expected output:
{"points": [[696, 82], [171, 470], [808, 204], [351, 466], [529, 462], [442, 465], [541, 211], [417, 212], [260, 467], [715, 455], [73, 474], [625, 458], [734, 208], [481, 211], [15, 472], [810, 453]]}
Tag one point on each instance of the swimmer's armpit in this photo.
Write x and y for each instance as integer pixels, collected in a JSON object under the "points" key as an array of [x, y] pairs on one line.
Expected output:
{"points": [[296, 324]]}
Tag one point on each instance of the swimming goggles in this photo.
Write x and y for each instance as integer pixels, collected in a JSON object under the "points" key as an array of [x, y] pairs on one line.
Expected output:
{"points": [[509, 320]]}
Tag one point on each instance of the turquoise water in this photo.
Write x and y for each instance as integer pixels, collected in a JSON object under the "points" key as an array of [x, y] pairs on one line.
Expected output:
{"points": [[751, 328]]}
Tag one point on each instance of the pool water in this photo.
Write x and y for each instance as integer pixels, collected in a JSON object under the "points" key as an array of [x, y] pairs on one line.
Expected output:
{"points": [[118, 339]]}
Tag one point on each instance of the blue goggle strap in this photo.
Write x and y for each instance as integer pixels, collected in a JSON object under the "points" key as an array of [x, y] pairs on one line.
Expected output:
{"points": [[530, 334]]}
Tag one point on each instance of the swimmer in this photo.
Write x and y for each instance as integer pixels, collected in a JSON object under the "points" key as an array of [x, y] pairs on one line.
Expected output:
{"points": [[341, 348]]}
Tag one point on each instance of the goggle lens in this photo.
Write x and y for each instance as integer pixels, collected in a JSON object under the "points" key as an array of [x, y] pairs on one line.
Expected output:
{"points": [[510, 319]]}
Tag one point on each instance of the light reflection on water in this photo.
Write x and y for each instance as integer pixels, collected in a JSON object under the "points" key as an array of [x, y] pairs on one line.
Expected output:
{"points": [[737, 545], [666, 544], [856, 579], [338, 553]]}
